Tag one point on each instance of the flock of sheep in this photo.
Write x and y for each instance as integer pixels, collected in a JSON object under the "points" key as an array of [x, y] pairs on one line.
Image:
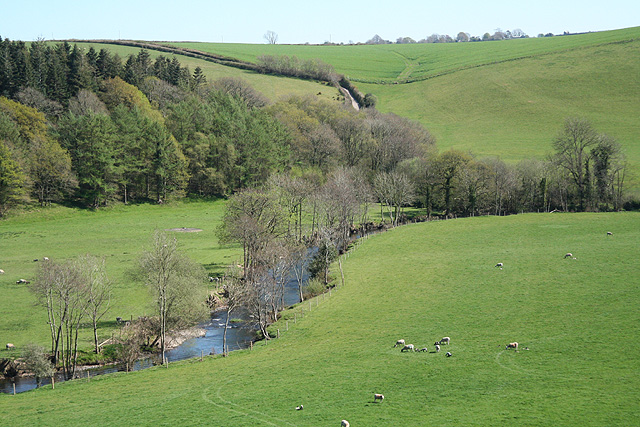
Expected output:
{"points": [[411, 347]]}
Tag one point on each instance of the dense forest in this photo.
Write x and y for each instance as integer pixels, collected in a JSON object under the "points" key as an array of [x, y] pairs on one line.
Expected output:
{"points": [[91, 128]]}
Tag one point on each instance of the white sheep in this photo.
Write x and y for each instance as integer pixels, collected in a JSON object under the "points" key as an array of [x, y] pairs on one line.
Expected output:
{"points": [[437, 348], [424, 349], [22, 282], [299, 408], [500, 265], [10, 346], [1, 271], [399, 342], [568, 255], [344, 423], [377, 397], [609, 233], [513, 345], [448, 354], [44, 258], [408, 347]]}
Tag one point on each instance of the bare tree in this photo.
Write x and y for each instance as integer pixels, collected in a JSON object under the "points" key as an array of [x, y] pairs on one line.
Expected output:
{"points": [[393, 190], [271, 37], [98, 292], [62, 291], [177, 284]]}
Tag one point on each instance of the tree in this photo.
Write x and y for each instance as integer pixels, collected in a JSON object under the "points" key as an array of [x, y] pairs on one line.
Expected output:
{"points": [[449, 164], [271, 37], [573, 153], [61, 289], [50, 171], [98, 292], [12, 180], [37, 362], [395, 191], [462, 37], [176, 283]]}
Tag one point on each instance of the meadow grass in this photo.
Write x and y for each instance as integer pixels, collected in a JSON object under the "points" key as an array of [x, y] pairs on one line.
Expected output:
{"points": [[578, 317], [119, 234]]}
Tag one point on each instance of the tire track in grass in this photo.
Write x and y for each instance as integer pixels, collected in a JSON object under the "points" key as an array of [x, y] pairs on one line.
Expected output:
{"points": [[228, 405]]}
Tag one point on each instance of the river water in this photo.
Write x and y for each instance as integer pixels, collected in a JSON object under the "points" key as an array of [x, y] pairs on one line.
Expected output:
{"points": [[238, 337]]}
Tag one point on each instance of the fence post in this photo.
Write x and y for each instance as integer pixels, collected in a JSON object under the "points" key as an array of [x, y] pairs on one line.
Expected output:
{"points": [[287, 325]]}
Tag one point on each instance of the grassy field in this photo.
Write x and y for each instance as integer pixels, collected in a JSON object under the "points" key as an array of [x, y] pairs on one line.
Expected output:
{"points": [[578, 317], [119, 234]]}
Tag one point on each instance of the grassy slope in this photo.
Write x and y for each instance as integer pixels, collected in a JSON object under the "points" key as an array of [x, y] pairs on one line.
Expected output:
{"points": [[119, 234], [419, 282]]}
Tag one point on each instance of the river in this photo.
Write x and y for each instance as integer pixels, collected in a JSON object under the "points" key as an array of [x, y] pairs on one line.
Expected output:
{"points": [[238, 337]]}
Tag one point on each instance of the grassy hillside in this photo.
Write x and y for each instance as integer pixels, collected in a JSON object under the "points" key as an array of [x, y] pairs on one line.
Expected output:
{"points": [[506, 99], [119, 234], [578, 318]]}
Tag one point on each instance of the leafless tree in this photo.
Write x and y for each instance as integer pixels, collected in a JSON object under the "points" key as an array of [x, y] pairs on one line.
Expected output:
{"points": [[62, 291], [98, 291], [177, 284], [271, 37], [241, 89], [393, 190]]}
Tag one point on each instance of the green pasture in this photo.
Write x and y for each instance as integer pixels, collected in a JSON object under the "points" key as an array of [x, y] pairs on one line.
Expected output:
{"points": [[401, 62], [118, 234], [578, 318]]}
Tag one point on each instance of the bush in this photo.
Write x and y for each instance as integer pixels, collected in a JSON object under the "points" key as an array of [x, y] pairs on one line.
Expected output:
{"points": [[314, 287]]}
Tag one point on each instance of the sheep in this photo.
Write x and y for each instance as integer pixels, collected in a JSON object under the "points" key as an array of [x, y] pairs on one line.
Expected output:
{"points": [[444, 341], [399, 342], [408, 347], [437, 348], [1, 271], [448, 354], [344, 423], [513, 345], [500, 265], [299, 408], [377, 397], [568, 255], [44, 258], [424, 349], [10, 346], [22, 281], [609, 233]]}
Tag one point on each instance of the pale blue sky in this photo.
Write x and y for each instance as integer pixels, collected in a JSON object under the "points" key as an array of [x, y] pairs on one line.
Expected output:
{"points": [[300, 21]]}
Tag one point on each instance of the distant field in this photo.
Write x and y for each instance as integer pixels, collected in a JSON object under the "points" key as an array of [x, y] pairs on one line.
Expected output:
{"points": [[119, 234], [577, 317], [386, 63]]}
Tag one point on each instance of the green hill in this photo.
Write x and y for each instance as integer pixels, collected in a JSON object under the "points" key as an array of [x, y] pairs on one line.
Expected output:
{"points": [[507, 98], [577, 317]]}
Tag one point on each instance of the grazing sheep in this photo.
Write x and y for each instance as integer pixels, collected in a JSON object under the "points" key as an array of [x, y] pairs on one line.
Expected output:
{"points": [[444, 341], [10, 346], [377, 397], [344, 423], [22, 281], [513, 345], [408, 347], [44, 258], [568, 255], [1, 271], [299, 408], [399, 342], [500, 265], [425, 349], [448, 354], [437, 348], [609, 233]]}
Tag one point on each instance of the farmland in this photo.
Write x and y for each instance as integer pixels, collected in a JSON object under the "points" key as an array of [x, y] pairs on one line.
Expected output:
{"points": [[419, 282]]}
